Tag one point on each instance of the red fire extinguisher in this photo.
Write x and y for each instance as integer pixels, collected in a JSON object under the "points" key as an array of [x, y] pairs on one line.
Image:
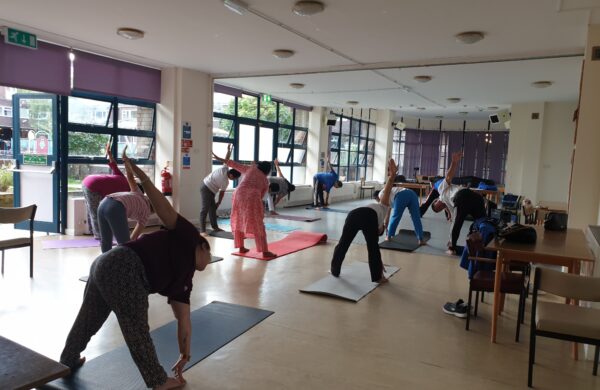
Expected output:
{"points": [[166, 181]]}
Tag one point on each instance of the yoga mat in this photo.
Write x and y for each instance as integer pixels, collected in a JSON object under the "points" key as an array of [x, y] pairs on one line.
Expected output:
{"points": [[213, 259], [404, 241], [221, 234], [293, 242], [328, 209], [214, 325], [76, 243], [353, 283], [293, 217], [271, 226]]}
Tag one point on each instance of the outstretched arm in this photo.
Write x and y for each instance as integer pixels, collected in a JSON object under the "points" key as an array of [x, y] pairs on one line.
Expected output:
{"points": [[279, 173], [329, 167], [161, 205], [384, 199], [111, 161], [229, 150], [130, 178], [453, 166], [181, 311], [242, 168]]}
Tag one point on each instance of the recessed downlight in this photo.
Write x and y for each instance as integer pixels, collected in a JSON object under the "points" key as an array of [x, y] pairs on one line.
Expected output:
{"points": [[421, 108], [542, 84], [297, 85], [464, 113], [423, 78], [130, 33], [352, 102], [308, 8], [492, 107], [283, 53], [469, 37], [453, 99], [439, 116]]}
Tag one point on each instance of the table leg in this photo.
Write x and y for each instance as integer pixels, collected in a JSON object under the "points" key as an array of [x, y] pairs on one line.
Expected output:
{"points": [[496, 306], [574, 269]]}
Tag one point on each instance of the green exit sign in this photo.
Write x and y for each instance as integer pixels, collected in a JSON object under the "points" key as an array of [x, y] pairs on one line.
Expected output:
{"points": [[266, 98], [20, 38]]}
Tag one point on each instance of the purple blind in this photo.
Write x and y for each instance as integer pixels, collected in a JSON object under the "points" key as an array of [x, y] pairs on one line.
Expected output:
{"points": [[455, 143], [497, 155], [93, 73], [430, 153], [470, 151], [218, 88], [46, 69], [412, 152]]}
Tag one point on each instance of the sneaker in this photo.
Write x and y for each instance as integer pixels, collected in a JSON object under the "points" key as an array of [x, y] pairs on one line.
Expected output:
{"points": [[457, 309]]}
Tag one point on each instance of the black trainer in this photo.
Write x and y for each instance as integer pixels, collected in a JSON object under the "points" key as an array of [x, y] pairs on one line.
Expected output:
{"points": [[457, 309]]}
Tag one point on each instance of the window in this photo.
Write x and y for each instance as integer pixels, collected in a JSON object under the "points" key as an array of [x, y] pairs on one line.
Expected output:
{"points": [[261, 131], [352, 147]]}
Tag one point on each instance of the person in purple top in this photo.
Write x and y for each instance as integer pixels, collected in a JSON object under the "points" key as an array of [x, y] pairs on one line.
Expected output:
{"points": [[324, 182], [121, 279], [96, 187]]}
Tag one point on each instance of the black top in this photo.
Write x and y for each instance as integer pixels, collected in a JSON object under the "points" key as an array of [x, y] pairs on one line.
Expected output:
{"points": [[169, 257]]}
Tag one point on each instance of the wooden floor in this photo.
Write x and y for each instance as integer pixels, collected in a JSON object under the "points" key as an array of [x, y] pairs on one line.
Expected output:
{"points": [[395, 338]]}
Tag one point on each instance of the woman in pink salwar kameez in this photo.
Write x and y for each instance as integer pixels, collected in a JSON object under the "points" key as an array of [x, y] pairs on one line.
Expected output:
{"points": [[247, 210]]}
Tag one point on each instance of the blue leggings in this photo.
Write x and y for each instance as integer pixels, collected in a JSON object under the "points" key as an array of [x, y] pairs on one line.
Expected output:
{"points": [[402, 200]]}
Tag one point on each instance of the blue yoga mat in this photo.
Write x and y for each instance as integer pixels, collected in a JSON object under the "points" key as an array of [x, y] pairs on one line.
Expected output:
{"points": [[214, 325], [269, 226]]}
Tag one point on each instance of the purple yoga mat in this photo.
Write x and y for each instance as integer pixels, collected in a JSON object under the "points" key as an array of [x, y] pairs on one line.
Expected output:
{"points": [[76, 243], [294, 217]]}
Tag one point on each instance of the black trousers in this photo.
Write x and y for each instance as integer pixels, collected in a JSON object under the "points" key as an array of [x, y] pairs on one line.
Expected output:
{"points": [[467, 203], [318, 196], [361, 219]]}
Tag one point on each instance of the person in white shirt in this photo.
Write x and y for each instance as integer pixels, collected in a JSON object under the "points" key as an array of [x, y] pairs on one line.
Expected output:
{"points": [[216, 182], [459, 201], [370, 220]]}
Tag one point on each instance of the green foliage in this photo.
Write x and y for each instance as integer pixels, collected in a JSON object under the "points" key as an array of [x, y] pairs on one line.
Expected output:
{"points": [[247, 108], [87, 144], [6, 179]]}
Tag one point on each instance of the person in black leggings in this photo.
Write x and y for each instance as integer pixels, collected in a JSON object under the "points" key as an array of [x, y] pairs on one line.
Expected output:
{"points": [[369, 220], [466, 181]]}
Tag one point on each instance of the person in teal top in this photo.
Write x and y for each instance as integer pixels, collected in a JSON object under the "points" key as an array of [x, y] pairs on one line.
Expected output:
{"points": [[324, 182]]}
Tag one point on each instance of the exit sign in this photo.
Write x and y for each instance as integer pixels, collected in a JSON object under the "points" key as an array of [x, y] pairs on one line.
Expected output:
{"points": [[266, 98], [20, 38]]}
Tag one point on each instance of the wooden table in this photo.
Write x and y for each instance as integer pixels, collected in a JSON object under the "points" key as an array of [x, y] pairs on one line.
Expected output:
{"points": [[568, 249], [22, 368], [496, 196], [422, 187]]}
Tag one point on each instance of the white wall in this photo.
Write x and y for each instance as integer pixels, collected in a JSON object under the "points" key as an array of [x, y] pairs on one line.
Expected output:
{"points": [[383, 144]]}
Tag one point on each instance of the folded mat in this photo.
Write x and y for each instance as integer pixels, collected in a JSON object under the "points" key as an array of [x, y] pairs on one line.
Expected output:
{"points": [[214, 325], [405, 241], [353, 283], [291, 243]]}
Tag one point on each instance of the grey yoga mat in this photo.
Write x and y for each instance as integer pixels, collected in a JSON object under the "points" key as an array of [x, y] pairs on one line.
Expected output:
{"points": [[221, 234], [405, 241], [214, 325]]}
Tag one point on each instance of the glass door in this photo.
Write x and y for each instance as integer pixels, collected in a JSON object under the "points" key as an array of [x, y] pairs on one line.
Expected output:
{"points": [[35, 140]]}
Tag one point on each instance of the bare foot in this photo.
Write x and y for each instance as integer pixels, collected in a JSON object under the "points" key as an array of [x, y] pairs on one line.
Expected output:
{"points": [[386, 239], [421, 242], [382, 280], [269, 254], [204, 234], [244, 250], [450, 252], [171, 383]]}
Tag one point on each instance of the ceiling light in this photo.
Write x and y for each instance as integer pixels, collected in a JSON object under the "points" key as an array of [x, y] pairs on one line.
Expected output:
{"points": [[237, 6], [283, 53], [297, 85], [439, 116], [542, 84], [492, 107], [453, 100], [469, 37], [352, 102], [130, 33], [308, 8], [423, 79], [463, 113], [421, 108]]}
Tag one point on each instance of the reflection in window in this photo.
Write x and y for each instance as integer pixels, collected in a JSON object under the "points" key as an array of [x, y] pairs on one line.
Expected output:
{"points": [[89, 112], [300, 137], [223, 128], [301, 118], [137, 147], [135, 117]]}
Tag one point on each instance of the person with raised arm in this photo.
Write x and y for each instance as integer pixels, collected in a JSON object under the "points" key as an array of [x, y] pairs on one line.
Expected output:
{"points": [[121, 279], [216, 182], [247, 210], [370, 220]]}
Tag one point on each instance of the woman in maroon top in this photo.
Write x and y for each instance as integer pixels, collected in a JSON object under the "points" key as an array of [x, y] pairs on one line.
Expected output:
{"points": [[96, 187], [121, 279]]}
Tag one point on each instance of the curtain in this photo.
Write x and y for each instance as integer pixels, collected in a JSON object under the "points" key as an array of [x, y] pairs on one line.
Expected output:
{"points": [[430, 153], [412, 152], [455, 143], [497, 151]]}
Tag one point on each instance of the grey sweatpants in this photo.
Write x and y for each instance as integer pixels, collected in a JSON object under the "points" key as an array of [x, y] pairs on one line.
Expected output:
{"points": [[118, 283], [92, 201], [112, 219], [209, 206]]}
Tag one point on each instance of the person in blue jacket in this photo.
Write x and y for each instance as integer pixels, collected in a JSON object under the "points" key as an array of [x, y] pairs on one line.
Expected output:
{"points": [[324, 182]]}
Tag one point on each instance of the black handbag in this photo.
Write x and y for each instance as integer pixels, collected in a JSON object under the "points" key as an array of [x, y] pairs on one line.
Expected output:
{"points": [[519, 233], [556, 221]]}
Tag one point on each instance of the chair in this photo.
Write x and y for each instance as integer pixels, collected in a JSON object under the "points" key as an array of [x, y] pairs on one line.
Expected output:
{"points": [[15, 215], [563, 321], [363, 187], [483, 281]]}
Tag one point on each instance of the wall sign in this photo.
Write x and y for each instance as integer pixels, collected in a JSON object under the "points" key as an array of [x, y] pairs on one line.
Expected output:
{"points": [[186, 130]]}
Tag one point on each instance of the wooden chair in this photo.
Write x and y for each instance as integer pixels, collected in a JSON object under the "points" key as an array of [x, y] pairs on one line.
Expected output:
{"points": [[15, 215], [363, 187], [483, 281], [563, 321]]}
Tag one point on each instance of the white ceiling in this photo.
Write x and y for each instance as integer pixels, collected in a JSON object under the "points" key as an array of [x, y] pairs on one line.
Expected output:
{"points": [[203, 35]]}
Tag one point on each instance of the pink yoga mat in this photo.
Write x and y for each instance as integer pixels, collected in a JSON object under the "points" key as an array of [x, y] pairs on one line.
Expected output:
{"points": [[293, 242]]}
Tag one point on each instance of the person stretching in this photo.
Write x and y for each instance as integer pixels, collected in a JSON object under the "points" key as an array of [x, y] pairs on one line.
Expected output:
{"points": [[115, 209], [458, 201], [400, 199], [96, 187], [247, 210], [215, 182], [121, 279], [279, 187], [323, 182], [369, 220]]}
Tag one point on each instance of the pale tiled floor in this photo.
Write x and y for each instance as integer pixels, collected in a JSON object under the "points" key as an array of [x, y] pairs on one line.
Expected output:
{"points": [[395, 338]]}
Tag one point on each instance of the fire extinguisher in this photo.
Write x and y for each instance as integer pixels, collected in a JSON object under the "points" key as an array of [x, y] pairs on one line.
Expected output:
{"points": [[166, 181]]}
